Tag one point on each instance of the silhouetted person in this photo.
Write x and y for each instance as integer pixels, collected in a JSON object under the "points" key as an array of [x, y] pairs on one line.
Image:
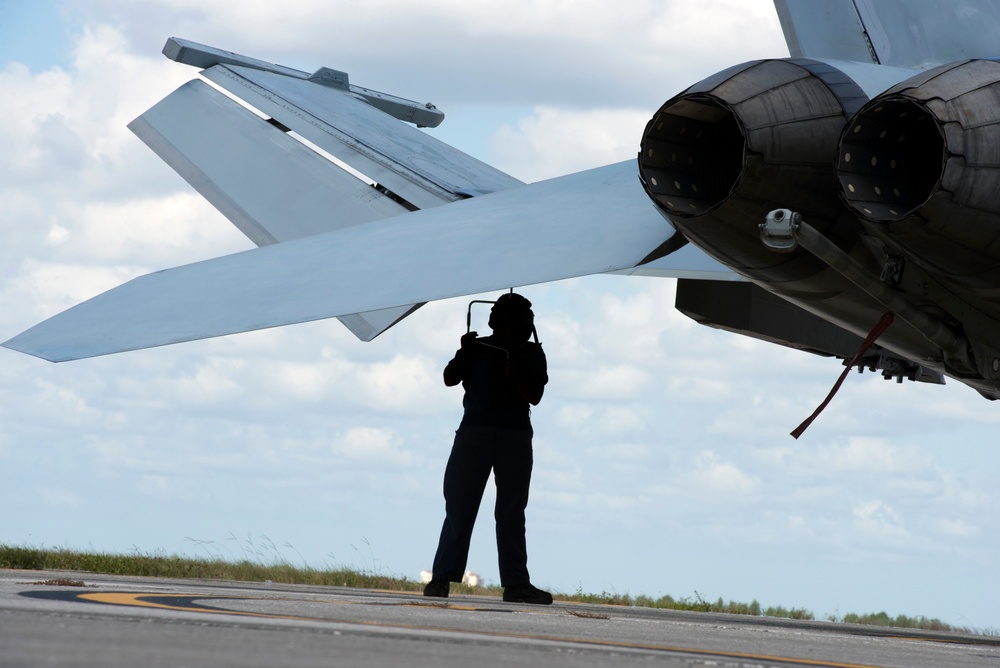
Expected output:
{"points": [[503, 375]]}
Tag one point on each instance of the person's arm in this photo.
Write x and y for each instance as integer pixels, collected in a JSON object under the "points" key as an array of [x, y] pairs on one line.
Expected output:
{"points": [[454, 372], [529, 388], [529, 376]]}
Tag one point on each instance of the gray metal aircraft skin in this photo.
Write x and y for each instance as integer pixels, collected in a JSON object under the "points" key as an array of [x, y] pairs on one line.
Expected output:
{"points": [[796, 200]]}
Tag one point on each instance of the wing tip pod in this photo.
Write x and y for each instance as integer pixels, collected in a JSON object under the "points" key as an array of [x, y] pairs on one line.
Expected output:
{"points": [[202, 56]]}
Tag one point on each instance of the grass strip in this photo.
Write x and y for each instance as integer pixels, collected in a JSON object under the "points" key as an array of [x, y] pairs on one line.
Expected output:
{"points": [[279, 570]]}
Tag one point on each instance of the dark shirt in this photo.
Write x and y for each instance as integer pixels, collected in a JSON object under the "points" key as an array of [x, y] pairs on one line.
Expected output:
{"points": [[491, 399]]}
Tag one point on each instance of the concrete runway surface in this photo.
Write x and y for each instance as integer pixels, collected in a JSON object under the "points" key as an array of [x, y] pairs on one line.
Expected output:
{"points": [[52, 618]]}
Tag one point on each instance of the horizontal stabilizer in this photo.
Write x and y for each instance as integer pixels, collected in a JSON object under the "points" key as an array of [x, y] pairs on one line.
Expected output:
{"points": [[585, 223]]}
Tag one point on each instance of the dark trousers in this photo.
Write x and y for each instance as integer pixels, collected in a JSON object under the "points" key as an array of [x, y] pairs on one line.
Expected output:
{"points": [[476, 451]]}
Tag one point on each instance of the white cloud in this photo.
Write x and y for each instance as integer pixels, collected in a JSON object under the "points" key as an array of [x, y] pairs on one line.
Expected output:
{"points": [[303, 380], [871, 455], [880, 521], [552, 142], [211, 382], [32, 102], [72, 406], [714, 477], [402, 382], [374, 445], [621, 451], [160, 232], [613, 382], [52, 287]]}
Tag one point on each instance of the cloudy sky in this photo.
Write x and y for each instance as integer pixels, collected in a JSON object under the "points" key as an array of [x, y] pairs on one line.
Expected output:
{"points": [[663, 460]]}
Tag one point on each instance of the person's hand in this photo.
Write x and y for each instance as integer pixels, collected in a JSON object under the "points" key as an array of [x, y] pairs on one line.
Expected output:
{"points": [[469, 339]]}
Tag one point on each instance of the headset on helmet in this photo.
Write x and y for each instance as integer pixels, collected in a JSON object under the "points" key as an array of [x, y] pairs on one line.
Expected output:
{"points": [[514, 311], [509, 309]]}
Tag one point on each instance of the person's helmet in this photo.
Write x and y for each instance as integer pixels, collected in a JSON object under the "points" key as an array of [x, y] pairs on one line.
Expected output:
{"points": [[513, 310]]}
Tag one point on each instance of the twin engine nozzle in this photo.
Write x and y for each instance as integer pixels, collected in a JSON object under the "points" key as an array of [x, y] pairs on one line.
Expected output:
{"points": [[918, 166]]}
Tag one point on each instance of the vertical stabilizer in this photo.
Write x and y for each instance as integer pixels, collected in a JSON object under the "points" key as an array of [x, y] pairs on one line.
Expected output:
{"points": [[914, 34]]}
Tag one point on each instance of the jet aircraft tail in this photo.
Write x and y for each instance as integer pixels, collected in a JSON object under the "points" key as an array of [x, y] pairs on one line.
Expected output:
{"points": [[305, 154]]}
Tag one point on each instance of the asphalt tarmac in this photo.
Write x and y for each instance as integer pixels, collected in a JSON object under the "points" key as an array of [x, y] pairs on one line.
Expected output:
{"points": [[79, 619]]}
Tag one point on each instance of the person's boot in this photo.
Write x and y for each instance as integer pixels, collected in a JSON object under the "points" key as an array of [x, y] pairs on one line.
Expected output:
{"points": [[526, 593], [438, 588]]}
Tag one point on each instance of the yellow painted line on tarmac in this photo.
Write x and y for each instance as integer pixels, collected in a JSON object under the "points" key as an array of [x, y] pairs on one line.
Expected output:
{"points": [[139, 601], [442, 606], [142, 600]]}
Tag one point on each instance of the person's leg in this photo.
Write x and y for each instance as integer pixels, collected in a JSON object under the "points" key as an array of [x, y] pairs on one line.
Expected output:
{"points": [[512, 471], [464, 482]]}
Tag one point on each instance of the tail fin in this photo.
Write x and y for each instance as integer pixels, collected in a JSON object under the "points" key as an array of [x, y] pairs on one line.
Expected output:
{"points": [[359, 162], [915, 34]]}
